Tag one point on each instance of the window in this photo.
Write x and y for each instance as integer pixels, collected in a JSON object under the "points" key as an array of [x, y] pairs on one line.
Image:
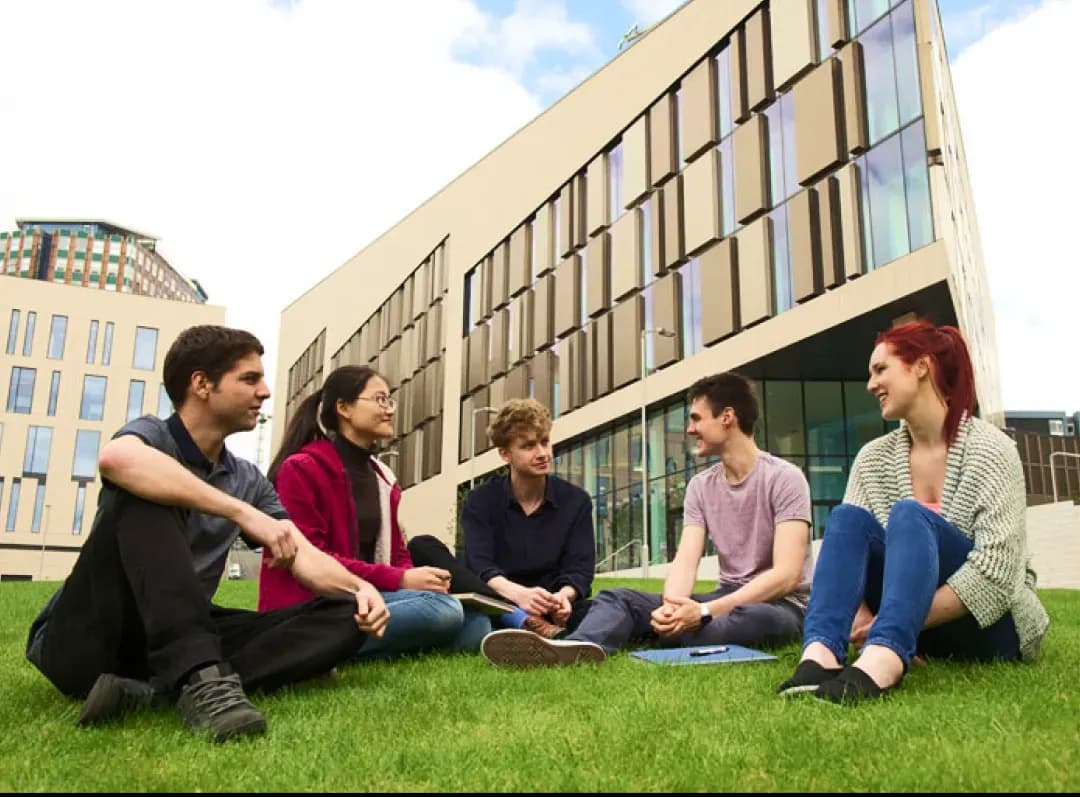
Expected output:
{"points": [[907, 65], [135, 399], [54, 392], [13, 505], [57, 337], [13, 331], [21, 390], [84, 467], [38, 444], [106, 346], [145, 348], [1056, 426], [91, 343], [39, 504], [917, 186], [888, 205], [28, 340], [80, 507], [92, 407], [164, 403], [881, 103]]}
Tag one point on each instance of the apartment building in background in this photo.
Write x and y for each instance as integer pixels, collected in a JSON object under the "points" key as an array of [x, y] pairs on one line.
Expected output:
{"points": [[82, 339], [752, 186]]}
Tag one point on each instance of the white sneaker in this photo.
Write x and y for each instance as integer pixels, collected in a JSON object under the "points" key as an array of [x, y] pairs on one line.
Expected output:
{"points": [[513, 647]]}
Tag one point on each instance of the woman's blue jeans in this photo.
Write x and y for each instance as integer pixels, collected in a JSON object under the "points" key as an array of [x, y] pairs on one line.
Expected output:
{"points": [[422, 620], [896, 570]]}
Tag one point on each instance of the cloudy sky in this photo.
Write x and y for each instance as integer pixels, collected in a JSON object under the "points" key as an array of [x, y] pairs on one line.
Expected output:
{"points": [[266, 141]]}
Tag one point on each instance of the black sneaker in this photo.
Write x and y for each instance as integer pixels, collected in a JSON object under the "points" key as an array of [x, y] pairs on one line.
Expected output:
{"points": [[213, 701], [808, 676], [853, 685], [111, 697]]}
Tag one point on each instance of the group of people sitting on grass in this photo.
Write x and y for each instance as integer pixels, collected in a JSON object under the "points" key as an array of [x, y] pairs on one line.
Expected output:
{"points": [[926, 556]]}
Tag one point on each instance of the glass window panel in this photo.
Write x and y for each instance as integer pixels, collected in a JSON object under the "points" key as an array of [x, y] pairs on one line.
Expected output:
{"points": [[91, 343], [80, 508], [775, 127], [106, 346], [678, 126], [605, 480], [867, 229], [589, 468], [675, 445], [907, 64], [92, 407], [723, 91], [863, 416], [866, 11], [28, 340], [39, 504], [888, 208], [827, 477], [615, 172], [13, 331], [824, 49], [881, 107], [145, 348], [84, 465], [917, 186], [824, 418], [620, 455], [782, 289], [136, 390], [784, 418], [646, 241], [635, 457], [57, 337], [38, 446], [576, 474], [821, 516], [655, 451], [21, 390], [690, 319], [13, 505], [787, 117], [660, 547], [164, 405], [727, 188]]}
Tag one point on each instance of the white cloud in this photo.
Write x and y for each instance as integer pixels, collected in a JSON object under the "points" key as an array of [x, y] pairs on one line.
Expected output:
{"points": [[971, 24], [265, 143], [558, 82], [646, 12], [1019, 129], [534, 26]]}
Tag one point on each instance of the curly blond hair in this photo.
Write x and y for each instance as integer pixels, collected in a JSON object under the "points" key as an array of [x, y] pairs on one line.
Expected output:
{"points": [[519, 416]]}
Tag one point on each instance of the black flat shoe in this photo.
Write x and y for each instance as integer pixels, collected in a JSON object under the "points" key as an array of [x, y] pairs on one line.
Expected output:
{"points": [[808, 676], [852, 685]]}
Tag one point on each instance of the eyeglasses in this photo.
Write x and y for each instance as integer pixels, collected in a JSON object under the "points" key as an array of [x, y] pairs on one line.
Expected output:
{"points": [[385, 402]]}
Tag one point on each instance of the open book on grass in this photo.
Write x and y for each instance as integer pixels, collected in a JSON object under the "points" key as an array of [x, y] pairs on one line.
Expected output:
{"points": [[483, 603]]}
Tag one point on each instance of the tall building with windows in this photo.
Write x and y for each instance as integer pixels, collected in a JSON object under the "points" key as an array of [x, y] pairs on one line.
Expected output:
{"points": [[79, 357], [752, 186]]}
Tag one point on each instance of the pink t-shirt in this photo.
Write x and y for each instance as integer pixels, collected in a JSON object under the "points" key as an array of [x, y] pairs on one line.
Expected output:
{"points": [[741, 518]]}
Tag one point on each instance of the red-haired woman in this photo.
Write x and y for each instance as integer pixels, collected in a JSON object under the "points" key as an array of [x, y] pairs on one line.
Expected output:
{"points": [[927, 554]]}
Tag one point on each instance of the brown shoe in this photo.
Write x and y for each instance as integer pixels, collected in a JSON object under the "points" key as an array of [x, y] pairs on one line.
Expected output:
{"points": [[514, 647], [538, 625]]}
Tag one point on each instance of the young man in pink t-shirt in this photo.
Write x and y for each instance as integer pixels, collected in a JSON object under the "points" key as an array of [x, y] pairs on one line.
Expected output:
{"points": [[754, 507]]}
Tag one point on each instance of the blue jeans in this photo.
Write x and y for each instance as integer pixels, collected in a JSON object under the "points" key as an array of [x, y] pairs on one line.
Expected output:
{"points": [[896, 570], [425, 621]]}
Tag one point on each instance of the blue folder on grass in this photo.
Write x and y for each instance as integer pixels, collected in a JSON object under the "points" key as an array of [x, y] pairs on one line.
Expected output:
{"points": [[703, 654]]}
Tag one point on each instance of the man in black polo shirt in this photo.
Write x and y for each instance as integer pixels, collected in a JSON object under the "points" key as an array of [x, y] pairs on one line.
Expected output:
{"points": [[134, 623], [529, 535]]}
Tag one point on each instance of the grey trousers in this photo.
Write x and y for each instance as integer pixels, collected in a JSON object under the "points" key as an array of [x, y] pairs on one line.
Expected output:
{"points": [[620, 616]]}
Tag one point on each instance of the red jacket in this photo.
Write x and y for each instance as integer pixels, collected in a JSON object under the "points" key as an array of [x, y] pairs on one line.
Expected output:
{"points": [[315, 491]]}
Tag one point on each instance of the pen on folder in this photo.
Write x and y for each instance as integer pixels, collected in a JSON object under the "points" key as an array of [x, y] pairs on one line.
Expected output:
{"points": [[709, 651]]}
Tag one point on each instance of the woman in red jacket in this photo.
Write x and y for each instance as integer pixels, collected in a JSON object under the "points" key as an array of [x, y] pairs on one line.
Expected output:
{"points": [[346, 501]]}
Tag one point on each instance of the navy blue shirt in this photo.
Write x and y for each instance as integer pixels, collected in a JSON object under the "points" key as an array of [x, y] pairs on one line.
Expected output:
{"points": [[550, 548]]}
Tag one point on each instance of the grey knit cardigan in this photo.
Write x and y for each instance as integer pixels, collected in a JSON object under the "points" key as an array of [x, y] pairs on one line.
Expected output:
{"points": [[984, 498]]}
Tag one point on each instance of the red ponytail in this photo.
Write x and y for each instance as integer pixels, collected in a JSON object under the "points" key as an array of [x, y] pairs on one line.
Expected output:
{"points": [[950, 364]]}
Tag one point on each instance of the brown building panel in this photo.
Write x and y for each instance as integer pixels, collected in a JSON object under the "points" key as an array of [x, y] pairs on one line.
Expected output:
{"points": [[819, 138], [739, 105], [750, 147], [758, 54], [626, 254], [434, 332], [628, 318], [581, 234], [432, 448], [568, 296], [699, 125], [600, 349], [674, 249], [667, 314], [521, 322], [701, 202], [544, 238], [464, 366], [598, 290], [499, 295], [719, 291], [755, 271], [500, 342], [851, 220], [569, 379], [566, 221], [497, 392], [805, 231], [794, 46], [484, 272], [516, 383], [635, 176], [832, 242], [598, 201], [663, 151], [519, 260], [543, 369], [837, 20], [479, 351], [853, 71], [654, 217], [544, 312], [407, 302]]}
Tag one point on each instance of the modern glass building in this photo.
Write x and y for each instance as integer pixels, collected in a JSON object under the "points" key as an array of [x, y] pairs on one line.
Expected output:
{"points": [[751, 186], [78, 359]]}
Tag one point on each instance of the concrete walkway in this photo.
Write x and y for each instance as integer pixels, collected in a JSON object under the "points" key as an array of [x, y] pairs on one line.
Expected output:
{"points": [[1053, 538]]}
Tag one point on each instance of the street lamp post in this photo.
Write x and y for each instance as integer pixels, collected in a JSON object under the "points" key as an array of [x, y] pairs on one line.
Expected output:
{"points": [[472, 441], [665, 333]]}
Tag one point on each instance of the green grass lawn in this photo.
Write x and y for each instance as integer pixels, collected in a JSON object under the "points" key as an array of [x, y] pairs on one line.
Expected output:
{"points": [[454, 723]]}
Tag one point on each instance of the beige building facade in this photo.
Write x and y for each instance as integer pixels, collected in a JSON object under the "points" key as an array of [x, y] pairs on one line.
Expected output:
{"points": [[76, 364], [750, 186]]}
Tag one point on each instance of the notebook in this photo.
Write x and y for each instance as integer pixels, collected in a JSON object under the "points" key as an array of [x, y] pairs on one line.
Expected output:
{"points": [[483, 603], [704, 654]]}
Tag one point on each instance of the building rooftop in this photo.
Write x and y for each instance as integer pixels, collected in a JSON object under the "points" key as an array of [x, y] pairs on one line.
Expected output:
{"points": [[104, 224]]}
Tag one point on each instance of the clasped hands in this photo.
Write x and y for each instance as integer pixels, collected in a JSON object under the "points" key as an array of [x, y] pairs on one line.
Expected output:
{"points": [[676, 616], [538, 601]]}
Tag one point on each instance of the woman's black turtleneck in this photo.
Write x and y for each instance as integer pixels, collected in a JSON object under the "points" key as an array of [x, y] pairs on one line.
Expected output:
{"points": [[365, 490]]}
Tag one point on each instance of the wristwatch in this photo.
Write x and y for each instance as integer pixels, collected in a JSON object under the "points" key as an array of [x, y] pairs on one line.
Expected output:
{"points": [[706, 615]]}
